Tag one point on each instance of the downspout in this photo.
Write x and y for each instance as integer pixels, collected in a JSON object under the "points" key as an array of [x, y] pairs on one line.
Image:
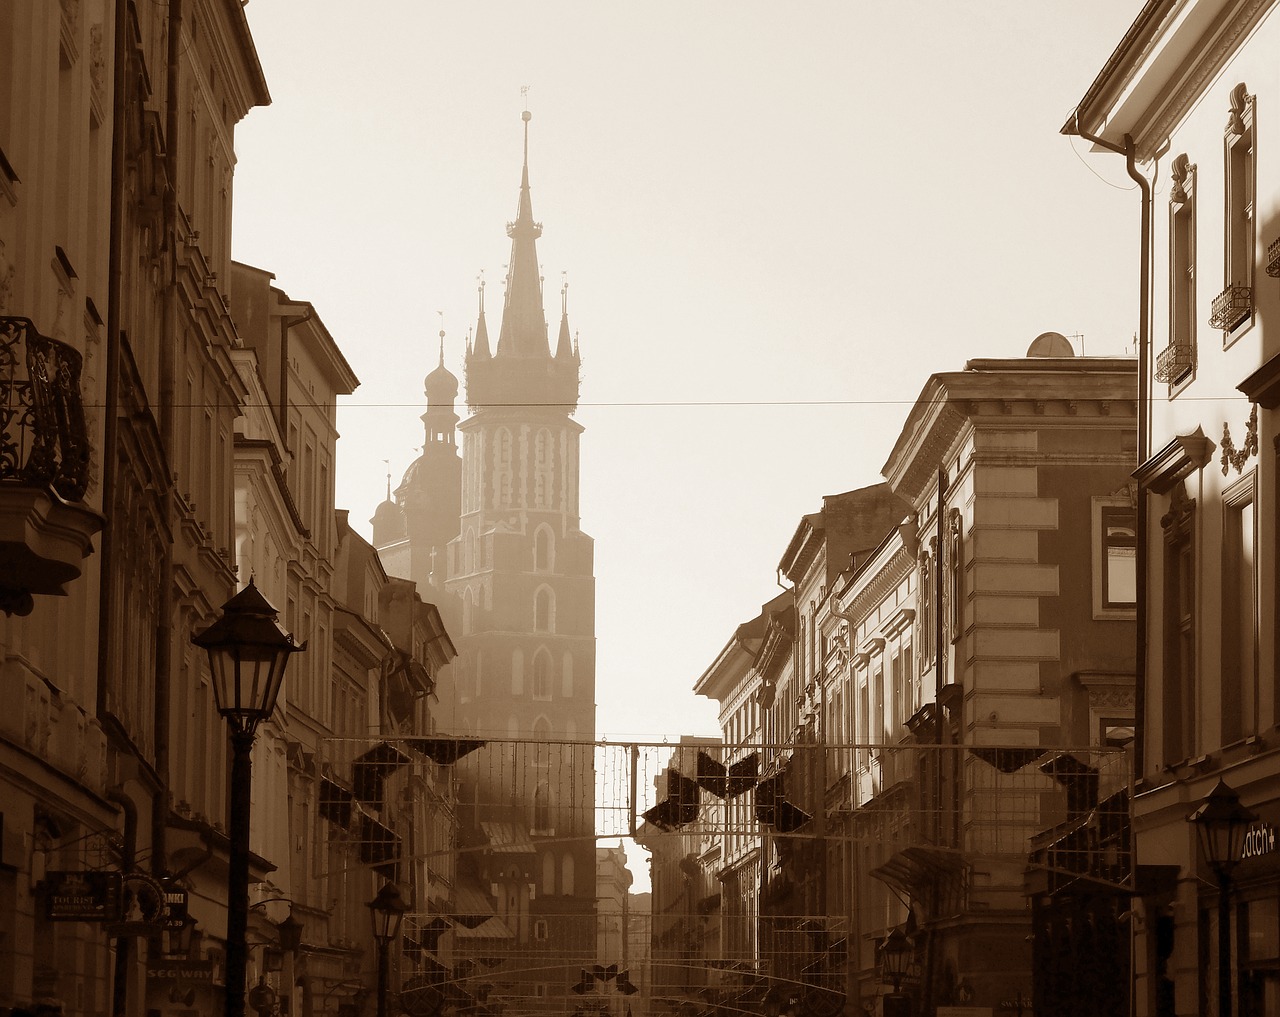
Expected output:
{"points": [[1129, 151], [123, 944], [168, 340], [111, 399]]}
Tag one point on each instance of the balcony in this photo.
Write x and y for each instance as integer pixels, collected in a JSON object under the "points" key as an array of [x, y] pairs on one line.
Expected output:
{"points": [[45, 531], [1174, 362], [1231, 307], [1273, 258]]}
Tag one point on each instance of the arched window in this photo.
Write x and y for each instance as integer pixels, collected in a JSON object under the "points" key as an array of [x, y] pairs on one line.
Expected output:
{"points": [[566, 676], [542, 807], [566, 874], [542, 675], [544, 549], [542, 472], [468, 612], [544, 610], [502, 468], [548, 874], [517, 672], [469, 552]]}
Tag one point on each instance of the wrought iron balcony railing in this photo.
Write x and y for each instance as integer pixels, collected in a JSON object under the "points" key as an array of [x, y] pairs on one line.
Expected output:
{"points": [[1174, 361], [43, 438], [1273, 258], [1231, 306]]}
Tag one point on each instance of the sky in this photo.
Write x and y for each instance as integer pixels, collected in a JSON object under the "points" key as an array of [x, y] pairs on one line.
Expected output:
{"points": [[775, 220]]}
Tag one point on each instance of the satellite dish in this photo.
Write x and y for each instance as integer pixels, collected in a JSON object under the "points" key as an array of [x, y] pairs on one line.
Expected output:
{"points": [[1050, 344]]}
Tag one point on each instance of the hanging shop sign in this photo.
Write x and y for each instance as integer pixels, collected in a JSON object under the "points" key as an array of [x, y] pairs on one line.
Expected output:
{"points": [[82, 896]]}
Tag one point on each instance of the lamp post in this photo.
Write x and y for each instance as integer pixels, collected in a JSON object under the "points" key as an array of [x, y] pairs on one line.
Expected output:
{"points": [[386, 911], [895, 957], [1221, 823], [248, 650]]}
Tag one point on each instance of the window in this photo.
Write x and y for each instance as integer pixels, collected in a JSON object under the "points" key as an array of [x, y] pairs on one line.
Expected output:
{"points": [[502, 468], [1239, 613], [1179, 628], [542, 476], [1238, 298], [566, 676], [517, 672], [1181, 361], [1115, 557], [543, 549], [544, 610], [542, 676], [895, 670], [926, 608], [540, 934]]}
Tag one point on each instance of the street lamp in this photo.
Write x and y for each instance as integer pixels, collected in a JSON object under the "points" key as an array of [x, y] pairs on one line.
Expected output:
{"points": [[895, 957], [248, 651], [1221, 823], [386, 911]]}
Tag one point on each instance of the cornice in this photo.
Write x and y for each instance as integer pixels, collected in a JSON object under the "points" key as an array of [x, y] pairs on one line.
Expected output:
{"points": [[1150, 140], [876, 587], [1185, 454]]}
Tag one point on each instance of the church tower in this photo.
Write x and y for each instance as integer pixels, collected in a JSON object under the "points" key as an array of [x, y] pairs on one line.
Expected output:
{"points": [[521, 576], [412, 533]]}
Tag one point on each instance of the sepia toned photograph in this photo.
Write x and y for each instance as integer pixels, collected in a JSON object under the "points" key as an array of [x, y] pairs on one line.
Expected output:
{"points": [[564, 509]]}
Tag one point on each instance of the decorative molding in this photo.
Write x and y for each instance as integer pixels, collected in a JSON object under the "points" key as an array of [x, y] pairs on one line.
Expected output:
{"points": [[1231, 456], [1196, 83], [1180, 172], [1262, 387], [1185, 454]]}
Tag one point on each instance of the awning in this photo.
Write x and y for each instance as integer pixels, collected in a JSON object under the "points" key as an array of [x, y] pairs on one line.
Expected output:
{"points": [[371, 768]]}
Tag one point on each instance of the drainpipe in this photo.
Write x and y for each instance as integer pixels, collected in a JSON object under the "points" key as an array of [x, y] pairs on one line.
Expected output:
{"points": [[111, 401], [128, 858], [1129, 151], [168, 341]]}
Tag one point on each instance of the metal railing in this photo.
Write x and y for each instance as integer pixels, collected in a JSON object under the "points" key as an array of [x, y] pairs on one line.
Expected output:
{"points": [[43, 437]]}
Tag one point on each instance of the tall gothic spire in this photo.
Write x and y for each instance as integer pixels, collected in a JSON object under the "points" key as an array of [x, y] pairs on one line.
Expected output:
{"points": [[481, 345], [524, 323], [564, 343]]}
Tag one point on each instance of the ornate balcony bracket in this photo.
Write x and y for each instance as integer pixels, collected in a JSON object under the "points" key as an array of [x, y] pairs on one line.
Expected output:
{"points": [[1231, 307], [44, 467], [1273, 258]]}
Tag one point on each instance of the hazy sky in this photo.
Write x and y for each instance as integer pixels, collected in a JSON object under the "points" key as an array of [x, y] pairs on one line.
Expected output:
{"points": [[776, 220]]}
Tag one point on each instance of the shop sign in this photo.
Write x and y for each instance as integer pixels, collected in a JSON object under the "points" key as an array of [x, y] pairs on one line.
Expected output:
{"points": [[82, 896], [181, 971], [1259, 840]]}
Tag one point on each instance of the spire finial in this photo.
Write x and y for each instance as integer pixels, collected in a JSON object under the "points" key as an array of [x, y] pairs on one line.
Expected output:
{"points": [[388, 462], [526, 116], [564, 293], [441, 313], [480, 289]]}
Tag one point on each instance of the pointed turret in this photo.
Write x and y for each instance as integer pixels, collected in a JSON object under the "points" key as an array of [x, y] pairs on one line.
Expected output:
{"points": [[524, 322], [564, 344], [480, 347], [521, 369]]}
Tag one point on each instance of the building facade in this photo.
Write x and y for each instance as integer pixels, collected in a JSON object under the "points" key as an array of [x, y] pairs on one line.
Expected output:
{"points": [[1189, 98]]}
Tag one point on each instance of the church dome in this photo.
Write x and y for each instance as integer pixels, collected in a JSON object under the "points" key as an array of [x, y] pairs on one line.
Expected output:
{"points": [[441, 386], [388, 523]]}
